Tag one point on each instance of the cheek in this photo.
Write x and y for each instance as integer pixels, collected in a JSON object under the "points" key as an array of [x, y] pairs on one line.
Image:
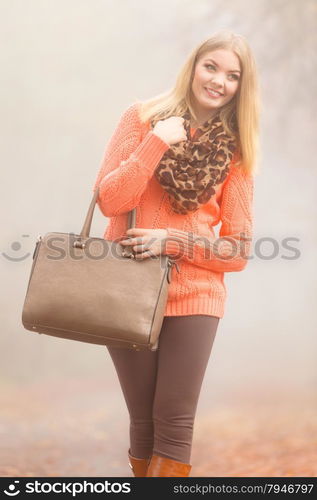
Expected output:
{"points": [[233, 88], [195, 86], [199, 78]]}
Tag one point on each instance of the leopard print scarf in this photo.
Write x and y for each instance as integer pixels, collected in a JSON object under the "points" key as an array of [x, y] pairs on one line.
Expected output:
{"points": [[189, 170]]}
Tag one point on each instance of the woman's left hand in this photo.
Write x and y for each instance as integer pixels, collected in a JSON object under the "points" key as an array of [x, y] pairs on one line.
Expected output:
{"points": [[146, 242]]}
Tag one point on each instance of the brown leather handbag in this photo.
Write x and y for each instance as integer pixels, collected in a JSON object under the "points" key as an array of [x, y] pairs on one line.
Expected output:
{"points": [[93, 290]]}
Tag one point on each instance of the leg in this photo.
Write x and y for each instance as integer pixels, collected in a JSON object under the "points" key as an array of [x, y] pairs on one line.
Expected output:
{"points": [[136, 371], [184, 350]]}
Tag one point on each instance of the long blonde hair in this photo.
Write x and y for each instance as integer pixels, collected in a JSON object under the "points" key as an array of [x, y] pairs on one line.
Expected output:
{"points": [[243, 108]]}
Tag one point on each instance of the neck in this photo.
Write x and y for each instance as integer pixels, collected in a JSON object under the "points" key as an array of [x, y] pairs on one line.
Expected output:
{"points": [[202, 115], [201, 119]]}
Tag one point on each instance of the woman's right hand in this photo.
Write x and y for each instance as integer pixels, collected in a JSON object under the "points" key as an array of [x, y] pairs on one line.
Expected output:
{"points": [[171, 130]]}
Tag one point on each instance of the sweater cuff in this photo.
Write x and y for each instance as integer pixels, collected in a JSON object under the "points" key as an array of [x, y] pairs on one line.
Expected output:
{"points": [[150, 151], [179, 243]]}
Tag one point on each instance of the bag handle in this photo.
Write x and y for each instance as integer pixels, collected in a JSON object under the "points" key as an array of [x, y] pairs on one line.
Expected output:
{"points": [[127, 250], [85, 232]]}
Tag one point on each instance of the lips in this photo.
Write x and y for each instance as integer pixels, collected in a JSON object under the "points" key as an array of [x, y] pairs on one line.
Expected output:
{"points": [[217, 93]]}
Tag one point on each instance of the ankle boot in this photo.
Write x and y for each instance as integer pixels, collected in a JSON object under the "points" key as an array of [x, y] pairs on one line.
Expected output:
{"points": [[167, 467], [138, 465]]}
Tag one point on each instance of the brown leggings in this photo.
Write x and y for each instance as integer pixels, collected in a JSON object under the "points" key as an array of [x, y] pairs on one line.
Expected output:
{"points": [[161, 388]]}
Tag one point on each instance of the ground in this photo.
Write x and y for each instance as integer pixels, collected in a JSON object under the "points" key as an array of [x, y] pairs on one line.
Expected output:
{"points": [[80, 428]]}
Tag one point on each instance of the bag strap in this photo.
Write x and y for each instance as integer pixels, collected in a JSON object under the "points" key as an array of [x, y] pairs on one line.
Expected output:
{"points": [[127, 250], [87, 224]]}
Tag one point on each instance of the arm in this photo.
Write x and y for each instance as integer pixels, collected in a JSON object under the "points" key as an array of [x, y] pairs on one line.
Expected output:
{"points": [[231, 250], [128, 164]]}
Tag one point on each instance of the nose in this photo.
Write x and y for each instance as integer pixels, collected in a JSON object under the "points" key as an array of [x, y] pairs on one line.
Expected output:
{"points": [[217, 82]]}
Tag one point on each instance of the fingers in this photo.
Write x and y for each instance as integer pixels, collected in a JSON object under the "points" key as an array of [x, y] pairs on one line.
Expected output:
{"points": [[137, 231], [144, 255], [131, 241], [141, 249], [137, 244], [144, 246]]}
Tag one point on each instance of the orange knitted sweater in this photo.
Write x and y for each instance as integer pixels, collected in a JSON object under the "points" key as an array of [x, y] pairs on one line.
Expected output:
{"points": [[126, 181]]}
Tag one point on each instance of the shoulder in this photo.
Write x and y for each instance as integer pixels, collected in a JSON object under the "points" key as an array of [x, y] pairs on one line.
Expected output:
{"points": [[131, 121], [128, 126], [239, 182], [135, 111], [237, 169], [130, 115]]}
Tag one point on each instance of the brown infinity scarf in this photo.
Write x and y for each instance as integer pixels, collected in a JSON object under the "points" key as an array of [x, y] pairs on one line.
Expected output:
{"points": [[189, 170]]}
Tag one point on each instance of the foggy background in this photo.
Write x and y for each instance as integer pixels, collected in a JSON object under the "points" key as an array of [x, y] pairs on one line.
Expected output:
{"points": [[68, 71]]}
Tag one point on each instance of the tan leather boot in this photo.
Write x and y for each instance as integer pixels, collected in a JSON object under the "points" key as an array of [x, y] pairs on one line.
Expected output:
{"points": [[167, 467], [138, 465]]}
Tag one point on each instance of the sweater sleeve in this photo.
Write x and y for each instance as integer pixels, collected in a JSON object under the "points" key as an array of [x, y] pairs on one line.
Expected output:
{"points": [[128, 164], [231, 251]]}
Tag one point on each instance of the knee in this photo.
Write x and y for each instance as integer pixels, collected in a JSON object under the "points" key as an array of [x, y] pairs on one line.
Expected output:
{"points": [[141, 422], [178, 414]]}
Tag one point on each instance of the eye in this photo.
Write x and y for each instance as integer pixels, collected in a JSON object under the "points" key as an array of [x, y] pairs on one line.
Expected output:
{"points": [[210, 65], [235, 77]]}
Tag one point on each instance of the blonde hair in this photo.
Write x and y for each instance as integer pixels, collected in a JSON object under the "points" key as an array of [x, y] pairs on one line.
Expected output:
{"points": [[240, 116]]}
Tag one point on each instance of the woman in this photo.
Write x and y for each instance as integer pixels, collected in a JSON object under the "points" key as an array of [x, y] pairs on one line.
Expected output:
{"points": [[186, 160]]}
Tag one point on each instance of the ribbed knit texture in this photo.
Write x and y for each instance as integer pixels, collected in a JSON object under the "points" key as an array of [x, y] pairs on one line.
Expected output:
{"points": [[126, 181]]}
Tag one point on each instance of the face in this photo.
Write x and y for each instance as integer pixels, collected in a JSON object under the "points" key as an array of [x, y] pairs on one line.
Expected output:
{"points": [[216, 81]]}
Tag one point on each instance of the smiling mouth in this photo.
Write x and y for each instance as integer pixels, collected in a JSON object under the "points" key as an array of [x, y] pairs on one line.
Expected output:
{"points": [[213, 93]]}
